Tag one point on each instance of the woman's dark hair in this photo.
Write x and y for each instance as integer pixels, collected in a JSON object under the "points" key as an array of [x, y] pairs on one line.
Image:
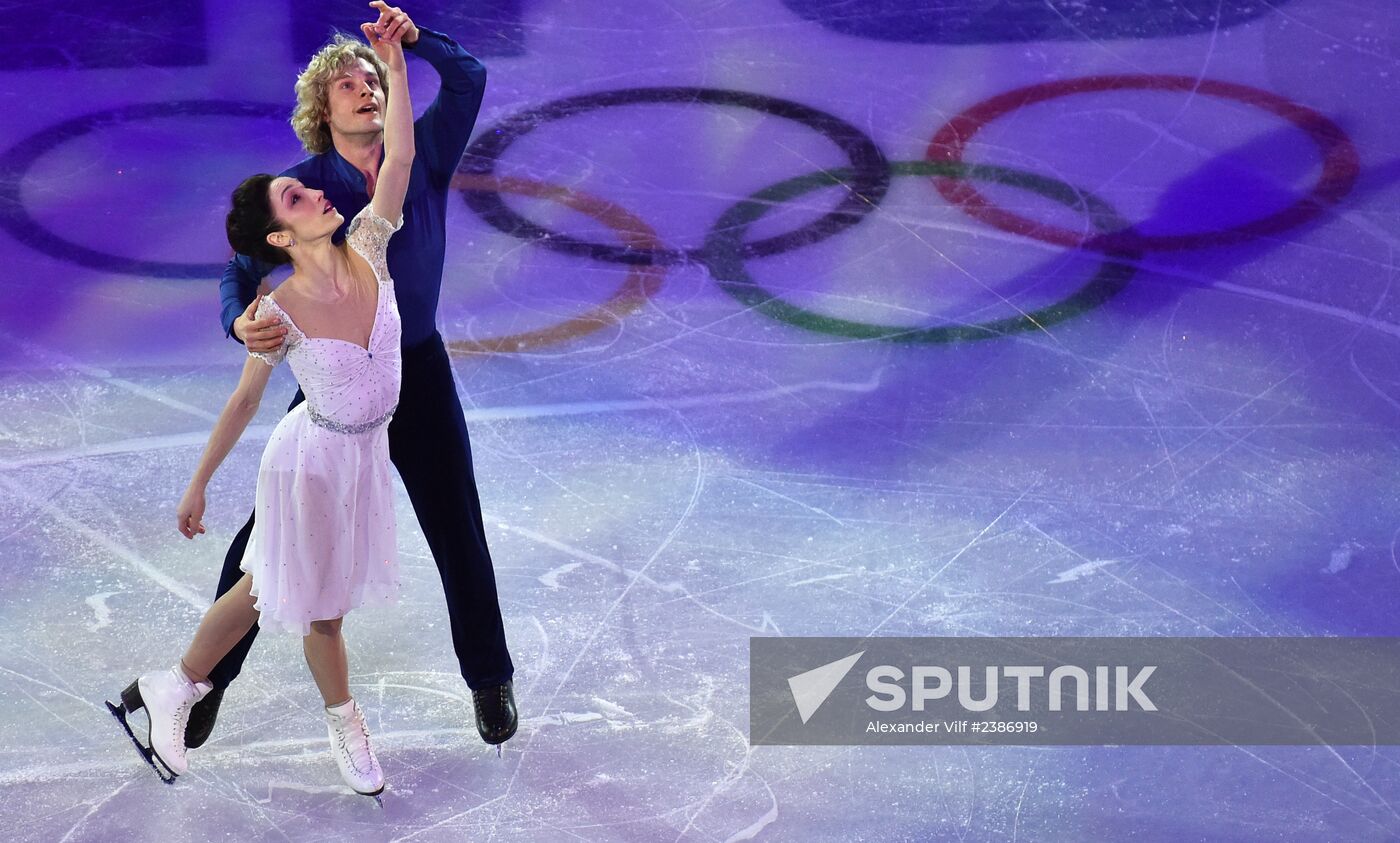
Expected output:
{"points": [[250, 220]]}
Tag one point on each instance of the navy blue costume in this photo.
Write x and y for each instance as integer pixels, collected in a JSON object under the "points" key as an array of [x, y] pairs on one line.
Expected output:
{"points": [[428, 441]]}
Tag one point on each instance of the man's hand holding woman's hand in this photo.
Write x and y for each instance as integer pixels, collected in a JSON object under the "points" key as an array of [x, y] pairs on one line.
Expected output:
{"points": [[387, 34], [394, 24]]}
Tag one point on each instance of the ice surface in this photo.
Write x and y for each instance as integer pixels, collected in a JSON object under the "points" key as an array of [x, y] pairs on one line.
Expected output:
{"points": [[1209, 450]]}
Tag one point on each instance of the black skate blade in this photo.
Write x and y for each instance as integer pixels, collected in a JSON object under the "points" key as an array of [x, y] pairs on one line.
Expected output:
{"points": [[147, 753], [376, 796]]}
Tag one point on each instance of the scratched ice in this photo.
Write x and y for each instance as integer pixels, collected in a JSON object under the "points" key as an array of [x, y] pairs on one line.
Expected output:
{"points": [[912, 417]]}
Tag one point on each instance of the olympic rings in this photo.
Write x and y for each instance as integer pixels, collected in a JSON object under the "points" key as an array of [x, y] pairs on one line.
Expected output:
{"points": [[16, 162], [865, 182], [1340, 163], [724, 256], [641, 282], [869, 173]]}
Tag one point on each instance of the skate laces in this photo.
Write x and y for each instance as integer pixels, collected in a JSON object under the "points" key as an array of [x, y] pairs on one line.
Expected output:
{"points": [[492, 714], [182, 712], [352, 736], [478, 696]]}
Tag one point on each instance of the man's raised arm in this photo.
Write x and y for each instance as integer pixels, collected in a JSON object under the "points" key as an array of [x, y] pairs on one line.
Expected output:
{"points": [[446, 126]]}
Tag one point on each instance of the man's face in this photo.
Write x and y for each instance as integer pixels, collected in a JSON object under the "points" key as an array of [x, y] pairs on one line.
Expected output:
{"points": [[355, 100]]}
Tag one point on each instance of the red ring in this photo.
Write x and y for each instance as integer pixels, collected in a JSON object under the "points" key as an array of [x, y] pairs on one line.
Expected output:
{"points": [[1340, 162]]}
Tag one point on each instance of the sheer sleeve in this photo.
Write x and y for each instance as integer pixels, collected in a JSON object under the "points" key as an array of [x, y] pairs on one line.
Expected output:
{"points": [[267, 307], [369, 235]]}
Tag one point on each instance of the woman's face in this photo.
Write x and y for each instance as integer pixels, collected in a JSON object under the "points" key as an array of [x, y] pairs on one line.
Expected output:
{"points": [[305, 214]]}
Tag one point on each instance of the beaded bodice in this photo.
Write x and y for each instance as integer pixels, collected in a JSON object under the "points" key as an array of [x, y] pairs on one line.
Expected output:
{"points": [[349, 388]]}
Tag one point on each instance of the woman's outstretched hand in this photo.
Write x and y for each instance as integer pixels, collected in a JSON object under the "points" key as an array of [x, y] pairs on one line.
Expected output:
{"points": [[190, 516]]}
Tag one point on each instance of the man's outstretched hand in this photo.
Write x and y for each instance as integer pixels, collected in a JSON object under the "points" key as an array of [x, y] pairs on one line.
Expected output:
{"points": [[393, 24], [259, 334]]}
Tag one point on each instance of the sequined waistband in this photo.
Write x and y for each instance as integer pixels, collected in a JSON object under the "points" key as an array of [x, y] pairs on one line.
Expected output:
{"points": [[331, 424]]}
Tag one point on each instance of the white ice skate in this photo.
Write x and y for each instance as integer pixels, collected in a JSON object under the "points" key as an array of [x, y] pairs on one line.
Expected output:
{"points": [[167, 696], [350, 746]]}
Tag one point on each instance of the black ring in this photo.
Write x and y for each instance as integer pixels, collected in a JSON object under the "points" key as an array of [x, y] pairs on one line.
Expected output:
{"points": [[15, 164], [869, 171], [727, 266]]}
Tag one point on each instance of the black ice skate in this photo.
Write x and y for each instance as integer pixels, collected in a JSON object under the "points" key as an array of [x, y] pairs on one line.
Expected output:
{"points": [[496, 718], [202, 718]]}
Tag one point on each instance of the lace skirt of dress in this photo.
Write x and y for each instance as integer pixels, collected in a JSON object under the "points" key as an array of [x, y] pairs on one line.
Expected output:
{"points": [[323, 539]]}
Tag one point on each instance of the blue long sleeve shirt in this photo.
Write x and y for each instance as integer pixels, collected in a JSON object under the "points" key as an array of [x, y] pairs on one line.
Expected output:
{"points": [[416, 252]]}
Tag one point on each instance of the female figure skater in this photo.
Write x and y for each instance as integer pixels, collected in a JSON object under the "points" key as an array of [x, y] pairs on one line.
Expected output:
{"points": [[324, 540]]}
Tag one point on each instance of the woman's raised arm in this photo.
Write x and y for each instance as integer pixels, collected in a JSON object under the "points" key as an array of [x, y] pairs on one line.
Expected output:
{"points": [[392, 183]]}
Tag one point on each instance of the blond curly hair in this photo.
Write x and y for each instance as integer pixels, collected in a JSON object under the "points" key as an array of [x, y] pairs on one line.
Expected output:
{"points": [[309, 118]]}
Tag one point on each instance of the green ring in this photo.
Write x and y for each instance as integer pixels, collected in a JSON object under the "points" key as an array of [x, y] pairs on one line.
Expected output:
{"points": [[723, 255]]}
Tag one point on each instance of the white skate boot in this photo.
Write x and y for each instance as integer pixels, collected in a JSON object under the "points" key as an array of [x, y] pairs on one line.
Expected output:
{"points": [[350, 746], [167, 696]]}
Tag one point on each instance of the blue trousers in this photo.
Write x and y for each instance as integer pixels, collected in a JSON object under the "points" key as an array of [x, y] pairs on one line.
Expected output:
{"points": [[428, 445]]}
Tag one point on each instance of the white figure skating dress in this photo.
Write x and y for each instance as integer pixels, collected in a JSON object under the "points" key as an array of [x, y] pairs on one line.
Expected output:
{"points": [[323, 539]]}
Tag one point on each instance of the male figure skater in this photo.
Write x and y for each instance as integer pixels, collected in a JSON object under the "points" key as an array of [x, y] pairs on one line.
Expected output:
{"points": [[339, 119]]}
